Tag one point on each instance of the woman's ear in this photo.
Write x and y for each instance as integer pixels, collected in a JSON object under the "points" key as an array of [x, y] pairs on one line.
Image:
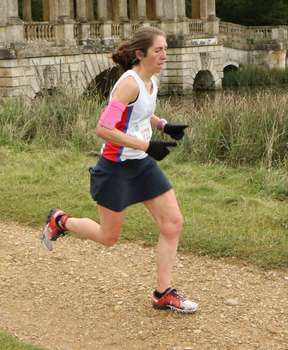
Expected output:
{"points": [[139, 54]]}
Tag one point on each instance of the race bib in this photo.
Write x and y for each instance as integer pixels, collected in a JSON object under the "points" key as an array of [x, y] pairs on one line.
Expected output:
{"points": [[143, 129]]}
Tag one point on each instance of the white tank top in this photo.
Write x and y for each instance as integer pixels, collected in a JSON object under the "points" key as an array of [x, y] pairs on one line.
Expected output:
{"points": [[135, 121]]}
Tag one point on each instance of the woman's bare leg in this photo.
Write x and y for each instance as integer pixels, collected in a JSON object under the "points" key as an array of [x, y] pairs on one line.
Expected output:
{"points": [[107, 232], [169, 219]]}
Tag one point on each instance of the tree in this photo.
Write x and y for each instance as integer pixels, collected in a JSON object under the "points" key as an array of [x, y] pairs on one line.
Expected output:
{"points": [[253, 12]]}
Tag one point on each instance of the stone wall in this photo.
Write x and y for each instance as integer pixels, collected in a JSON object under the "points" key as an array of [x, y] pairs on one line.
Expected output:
{"points": [[29, 76], [184, 63]]}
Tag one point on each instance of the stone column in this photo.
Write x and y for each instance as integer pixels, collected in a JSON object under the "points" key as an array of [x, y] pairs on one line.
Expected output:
{"points": [[182, 18], [123, 10], [12, 9], [141, 6], [204, 9], [181, 9], [211, 8], [15, 28], [3, 19], [64, 10], [81, 10], [3, 12], [105, 28], [65, 26], [27, 11], [160, 9], [90, 10], [171, 10], [212, 21], [102, 10]]}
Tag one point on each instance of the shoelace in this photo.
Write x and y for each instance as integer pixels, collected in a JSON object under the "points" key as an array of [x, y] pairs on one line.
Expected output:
{"points": [[174, 295], [57, 234]]}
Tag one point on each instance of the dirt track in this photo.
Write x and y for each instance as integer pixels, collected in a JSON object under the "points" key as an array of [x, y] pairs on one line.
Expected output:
{"points": [[86, 296]]}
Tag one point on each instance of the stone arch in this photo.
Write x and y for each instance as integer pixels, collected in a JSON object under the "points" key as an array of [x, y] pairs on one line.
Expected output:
{"points": [[230, 68], [104, 82], [68, 72], [206, 72], [98, 73], [232, 64], [204, 80]]}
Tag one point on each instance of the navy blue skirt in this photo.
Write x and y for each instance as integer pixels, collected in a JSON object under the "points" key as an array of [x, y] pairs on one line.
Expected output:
{"points": [[117, 185]]}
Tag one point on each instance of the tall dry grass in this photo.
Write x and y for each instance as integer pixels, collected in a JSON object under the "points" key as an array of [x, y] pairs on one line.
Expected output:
{"points": [[229, 128], [234, 129]]}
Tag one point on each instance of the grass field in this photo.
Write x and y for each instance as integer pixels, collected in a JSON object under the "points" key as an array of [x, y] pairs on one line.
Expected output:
{"points": [[228, 212]]}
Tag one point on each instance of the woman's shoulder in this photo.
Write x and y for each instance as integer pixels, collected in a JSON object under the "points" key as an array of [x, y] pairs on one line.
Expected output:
{"points": [[127, 89]]}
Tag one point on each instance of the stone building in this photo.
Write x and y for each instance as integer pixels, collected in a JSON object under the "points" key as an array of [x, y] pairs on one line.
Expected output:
{"points": [[72, 43], [71, 46]]}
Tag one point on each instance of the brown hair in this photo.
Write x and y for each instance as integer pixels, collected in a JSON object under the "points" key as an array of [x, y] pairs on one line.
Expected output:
{"points": [[142, 39]]}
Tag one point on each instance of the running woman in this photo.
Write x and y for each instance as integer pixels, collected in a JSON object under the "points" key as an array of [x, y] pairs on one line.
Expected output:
{"points": [[127, 172]]}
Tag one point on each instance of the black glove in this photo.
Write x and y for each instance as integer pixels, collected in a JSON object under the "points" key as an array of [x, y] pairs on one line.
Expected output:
{"points": [[175, 131], [158, 149]]}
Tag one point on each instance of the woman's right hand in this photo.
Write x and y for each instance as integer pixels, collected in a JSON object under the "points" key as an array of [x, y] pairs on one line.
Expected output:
{"points": [[158, 149]]}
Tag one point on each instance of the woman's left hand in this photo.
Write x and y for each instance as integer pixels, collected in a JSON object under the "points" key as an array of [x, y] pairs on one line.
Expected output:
{"points": [[175, 131]]}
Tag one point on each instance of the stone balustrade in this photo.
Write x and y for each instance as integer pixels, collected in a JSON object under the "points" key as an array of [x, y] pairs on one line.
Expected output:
{"points": [[196, 29], [233, 31], [95, 30], [248, 34], [45, 31], [39, 31]]}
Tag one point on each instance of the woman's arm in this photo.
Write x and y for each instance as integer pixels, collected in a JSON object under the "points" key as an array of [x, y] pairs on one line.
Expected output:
{"points": [[157, 122], [126, 92], [119, 138]]}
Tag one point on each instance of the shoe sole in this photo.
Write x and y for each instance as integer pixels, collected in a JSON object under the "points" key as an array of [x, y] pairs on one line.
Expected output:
{"points": [[182, 311], [43, 235], [43, 242]]}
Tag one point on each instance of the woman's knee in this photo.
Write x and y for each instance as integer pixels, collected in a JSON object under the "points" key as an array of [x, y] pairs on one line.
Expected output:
{"points": [[179, 223], [172, 225], [110, 238]]}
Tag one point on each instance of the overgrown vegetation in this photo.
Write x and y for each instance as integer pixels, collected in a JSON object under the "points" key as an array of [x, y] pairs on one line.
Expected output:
{"points": [[232, 129], [254, 75], [63, 119]]}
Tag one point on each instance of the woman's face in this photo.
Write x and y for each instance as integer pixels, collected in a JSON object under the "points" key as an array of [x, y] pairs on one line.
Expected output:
{"points": [[156, 55]]}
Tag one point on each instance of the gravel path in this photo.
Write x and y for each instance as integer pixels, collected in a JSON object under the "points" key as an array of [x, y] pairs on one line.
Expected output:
{"points": [[86, 296]]}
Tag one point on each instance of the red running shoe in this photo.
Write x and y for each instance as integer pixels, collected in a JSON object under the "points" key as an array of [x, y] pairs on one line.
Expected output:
{"points": [[52, 230], [171, 300]]}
